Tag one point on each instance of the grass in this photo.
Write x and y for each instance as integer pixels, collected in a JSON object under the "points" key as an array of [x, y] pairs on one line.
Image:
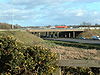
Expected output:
{"points": [[78, 45], [25, 37], [67, 50], [28, 38], [90, 33]]}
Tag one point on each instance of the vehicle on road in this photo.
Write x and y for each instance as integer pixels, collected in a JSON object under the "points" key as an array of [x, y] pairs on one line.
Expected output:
{"points": [[96, 37], [82, 38]]}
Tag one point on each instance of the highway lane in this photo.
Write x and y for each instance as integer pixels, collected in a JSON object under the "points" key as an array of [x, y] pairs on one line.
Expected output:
{"points": [[89, 41]]}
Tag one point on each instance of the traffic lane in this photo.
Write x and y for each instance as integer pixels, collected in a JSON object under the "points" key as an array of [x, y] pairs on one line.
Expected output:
{"points": [[76, 40]]}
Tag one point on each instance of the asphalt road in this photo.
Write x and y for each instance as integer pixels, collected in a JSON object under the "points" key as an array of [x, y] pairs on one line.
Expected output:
{"points": [[89, 41]]}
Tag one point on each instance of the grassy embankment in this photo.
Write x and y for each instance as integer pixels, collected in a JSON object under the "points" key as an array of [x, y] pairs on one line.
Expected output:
{"points": [[27, 38], [66, 52], [24, 37], [90, 33], [66, 49]]}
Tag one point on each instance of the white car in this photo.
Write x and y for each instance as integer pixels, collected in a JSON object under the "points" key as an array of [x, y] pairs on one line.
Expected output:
{"points": [[82, 38], [96, 37]]}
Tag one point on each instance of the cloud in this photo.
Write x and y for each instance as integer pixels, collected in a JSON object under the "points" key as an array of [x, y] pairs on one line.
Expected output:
{"points": [[80, 12], [48, 2], [88, 0], [98, 20], [39, 12]]}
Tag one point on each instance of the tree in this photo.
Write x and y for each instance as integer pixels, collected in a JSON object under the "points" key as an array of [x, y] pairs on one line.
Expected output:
{"points": [[9, 26], [86, 24]]}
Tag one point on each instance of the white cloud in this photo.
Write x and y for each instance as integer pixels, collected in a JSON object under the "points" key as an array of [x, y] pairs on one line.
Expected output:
{"points": [[80, 13], [50, 11], [75, 12], [98, 20], [95, 13]]}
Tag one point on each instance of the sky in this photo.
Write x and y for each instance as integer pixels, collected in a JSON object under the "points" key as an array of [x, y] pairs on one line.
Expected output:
{"points": [[49, 12]]}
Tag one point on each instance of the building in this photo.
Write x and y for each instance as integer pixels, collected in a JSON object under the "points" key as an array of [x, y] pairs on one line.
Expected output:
{"points": [[61, 26]]}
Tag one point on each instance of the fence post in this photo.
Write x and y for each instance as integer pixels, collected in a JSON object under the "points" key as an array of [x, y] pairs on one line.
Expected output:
{"points": [[58, 71]]}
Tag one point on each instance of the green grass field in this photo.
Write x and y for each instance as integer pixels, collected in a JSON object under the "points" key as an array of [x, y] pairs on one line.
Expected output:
{"points": [[25, 37], [28, 38]]}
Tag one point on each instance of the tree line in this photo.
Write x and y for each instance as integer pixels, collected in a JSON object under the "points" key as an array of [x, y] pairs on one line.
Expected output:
{"points": [[9, 26]]}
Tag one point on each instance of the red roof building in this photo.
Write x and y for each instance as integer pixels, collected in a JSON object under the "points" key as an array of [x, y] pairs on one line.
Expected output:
{"points": [[61, 27]]}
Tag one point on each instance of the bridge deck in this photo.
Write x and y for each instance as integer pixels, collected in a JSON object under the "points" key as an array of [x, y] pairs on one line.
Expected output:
{"points": [[55, 30]]}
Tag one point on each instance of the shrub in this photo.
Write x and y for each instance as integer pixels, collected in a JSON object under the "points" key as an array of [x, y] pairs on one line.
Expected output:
{"points": [[18, 59], [77, 71]]}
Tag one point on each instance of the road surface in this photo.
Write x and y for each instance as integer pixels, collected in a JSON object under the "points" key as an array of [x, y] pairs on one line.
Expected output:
{"points": [[89, 41]]}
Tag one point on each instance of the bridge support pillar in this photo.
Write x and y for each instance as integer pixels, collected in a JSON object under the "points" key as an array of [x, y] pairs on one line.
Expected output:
{"points": [[39, 34], [74, 34], [44, 34], [53, 34], [58, 71], [69, 35], [47, 34], [65, 35], [57, 34]]}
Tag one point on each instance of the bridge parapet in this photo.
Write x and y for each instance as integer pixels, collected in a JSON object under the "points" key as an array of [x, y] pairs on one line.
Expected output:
{"points": [[54, 30], [52, 33]]}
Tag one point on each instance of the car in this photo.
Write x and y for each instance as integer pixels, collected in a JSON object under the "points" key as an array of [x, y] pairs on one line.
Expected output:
{"points": [[95, 37], [82, 38]]}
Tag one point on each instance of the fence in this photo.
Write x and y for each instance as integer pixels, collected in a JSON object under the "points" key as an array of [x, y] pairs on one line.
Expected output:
{"points": [[76, 63]]}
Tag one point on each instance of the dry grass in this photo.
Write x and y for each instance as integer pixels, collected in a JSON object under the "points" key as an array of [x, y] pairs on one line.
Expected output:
{"points": [[77, 53], [89, 33], [66, 52]]}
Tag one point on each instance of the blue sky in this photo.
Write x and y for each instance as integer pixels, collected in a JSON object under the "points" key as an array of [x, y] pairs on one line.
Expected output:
{"points": [[49, 12]]}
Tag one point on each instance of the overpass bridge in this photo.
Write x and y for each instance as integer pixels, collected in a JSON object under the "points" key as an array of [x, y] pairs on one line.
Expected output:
{"points": [[59, 33], [51, 33]]}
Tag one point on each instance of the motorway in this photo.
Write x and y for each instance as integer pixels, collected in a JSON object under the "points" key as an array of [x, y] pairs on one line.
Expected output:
{"points": [[89, 41]]}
